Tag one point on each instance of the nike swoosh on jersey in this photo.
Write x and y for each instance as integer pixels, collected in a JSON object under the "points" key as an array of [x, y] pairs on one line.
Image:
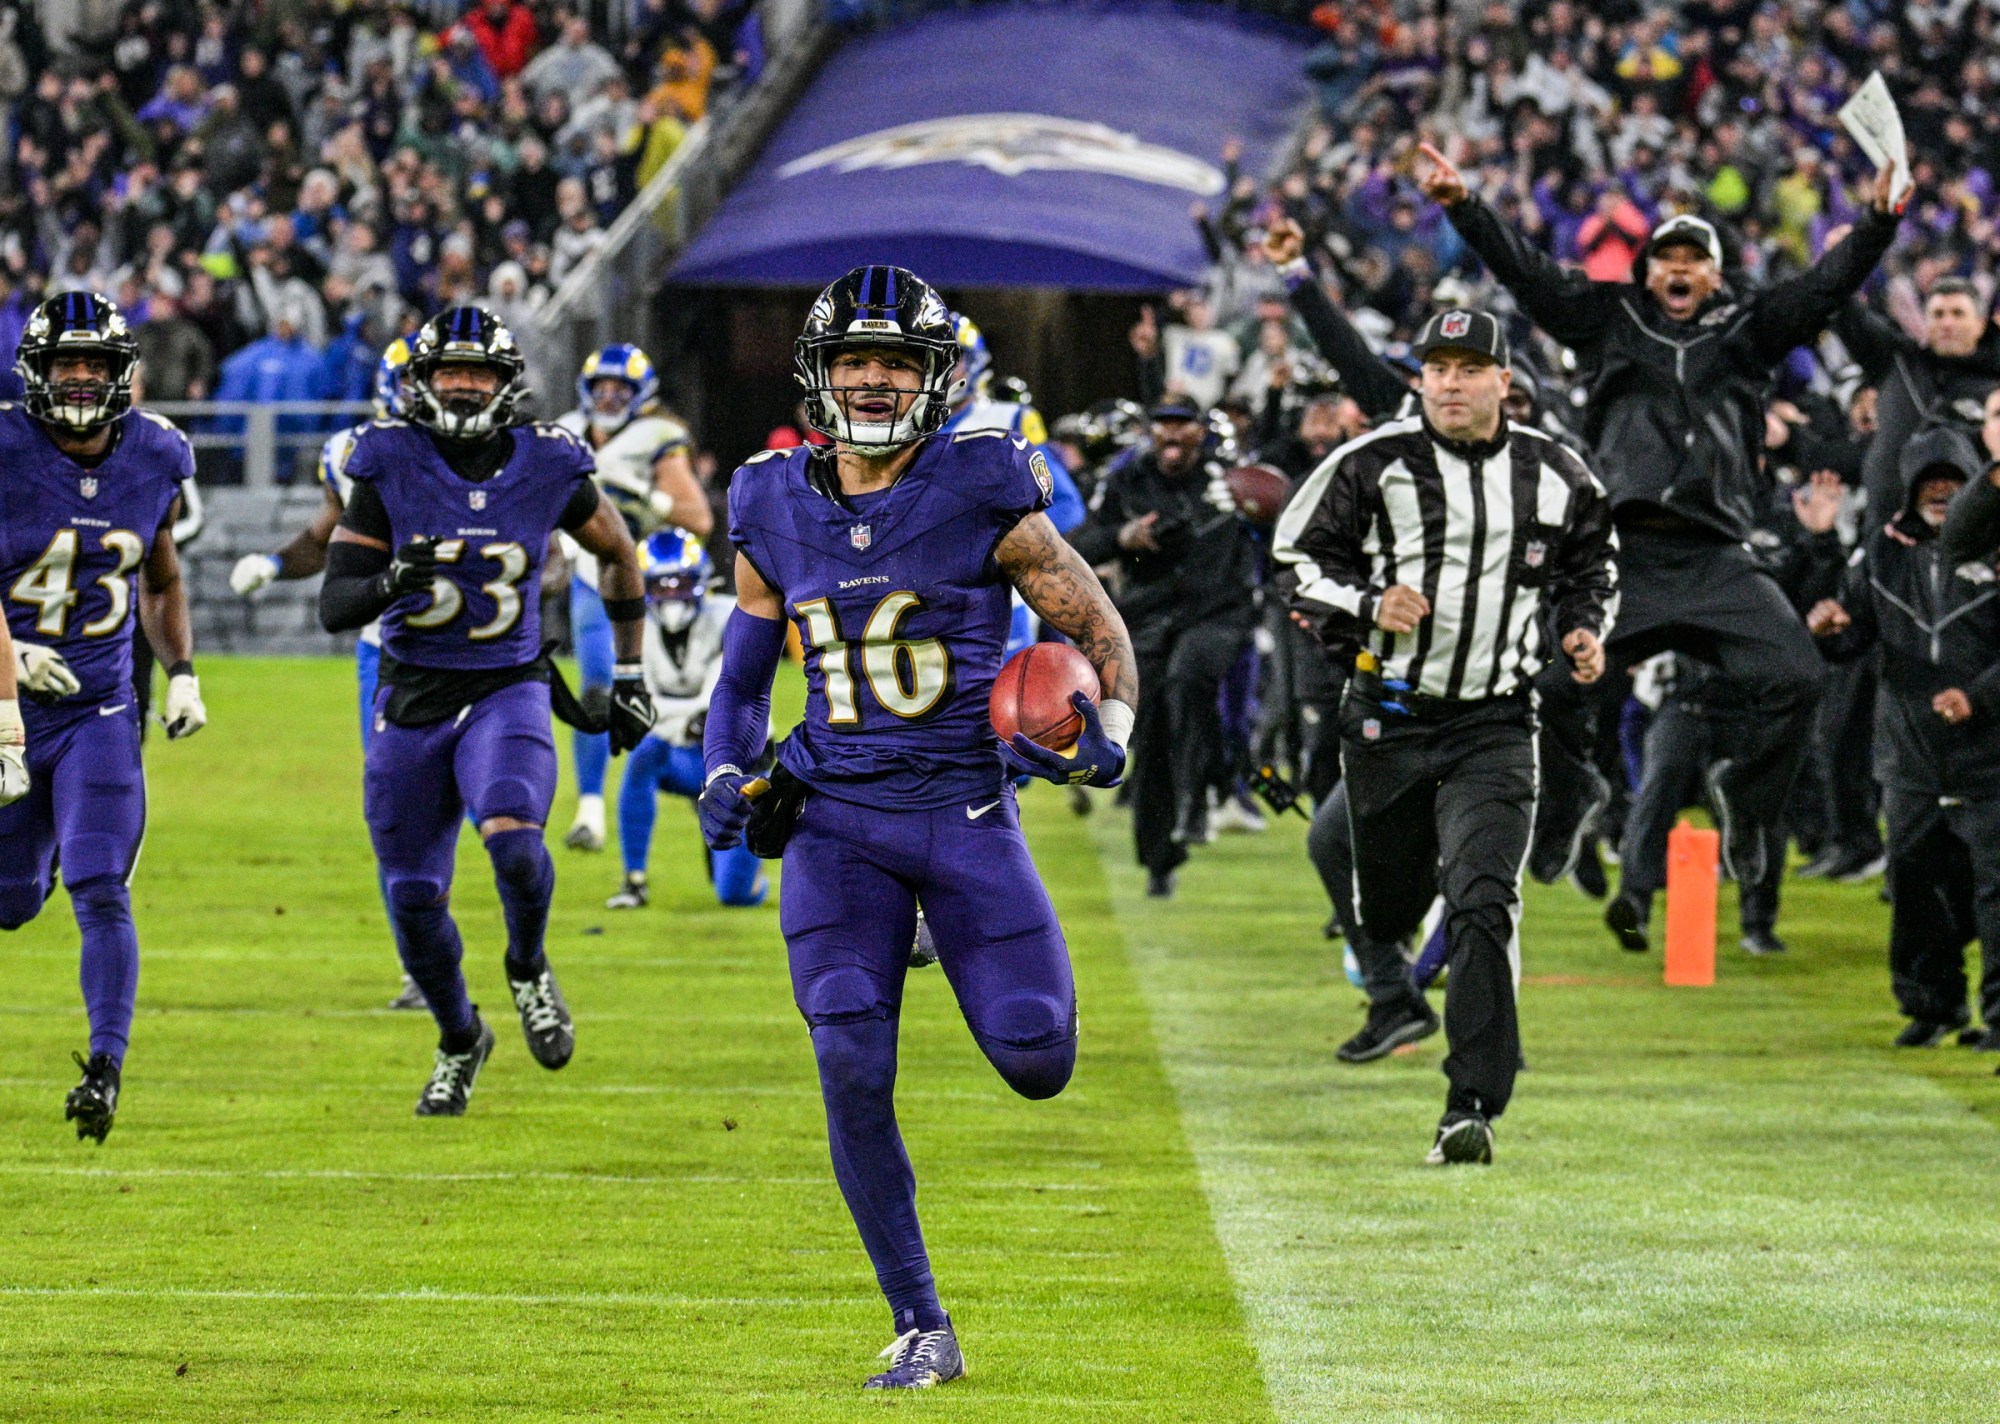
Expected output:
{"points": [[973, 815], [108, 711]]}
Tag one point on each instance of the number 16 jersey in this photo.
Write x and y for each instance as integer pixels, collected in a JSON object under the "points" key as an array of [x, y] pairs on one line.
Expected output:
{"points": [[901, 608], [72, 539]]}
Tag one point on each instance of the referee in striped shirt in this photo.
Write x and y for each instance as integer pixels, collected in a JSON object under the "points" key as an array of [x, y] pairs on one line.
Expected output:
{"points": [[1431, 553]]}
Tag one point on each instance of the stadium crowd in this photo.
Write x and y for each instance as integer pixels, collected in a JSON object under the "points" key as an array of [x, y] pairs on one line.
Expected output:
{"points": [[273, 193]]}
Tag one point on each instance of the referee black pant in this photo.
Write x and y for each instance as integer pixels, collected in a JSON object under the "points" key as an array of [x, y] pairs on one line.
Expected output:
{"points": [[1177, 734], [1456, 791], [1706, 597]]}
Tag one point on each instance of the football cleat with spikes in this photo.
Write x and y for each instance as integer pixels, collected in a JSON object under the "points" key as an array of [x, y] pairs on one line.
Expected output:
{"points": [[94, 1102], [633, 896], [545, 1020], [586, 832], [450, 1087], [923, 952], [412, 996], [919, 1359]]}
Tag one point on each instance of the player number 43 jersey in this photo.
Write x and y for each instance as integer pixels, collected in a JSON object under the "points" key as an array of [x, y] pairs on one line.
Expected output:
{"points": [[901, 608], [73, 538]]}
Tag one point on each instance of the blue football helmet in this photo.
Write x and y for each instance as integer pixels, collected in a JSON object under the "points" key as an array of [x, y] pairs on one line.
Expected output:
{"points": [[624, 362], [973, 355], [389, 378], [677, 573]]}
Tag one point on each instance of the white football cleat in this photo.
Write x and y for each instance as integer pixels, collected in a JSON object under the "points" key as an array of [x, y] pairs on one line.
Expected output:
{"points": [[586, 832]]}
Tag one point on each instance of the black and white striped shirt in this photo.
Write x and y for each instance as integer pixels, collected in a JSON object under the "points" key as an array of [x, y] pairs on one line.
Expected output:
{"points": [[1487, 533]]}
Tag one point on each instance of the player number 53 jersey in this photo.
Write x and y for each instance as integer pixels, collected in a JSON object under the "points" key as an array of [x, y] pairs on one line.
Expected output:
{"points": [[72, 540], [900, 606]]}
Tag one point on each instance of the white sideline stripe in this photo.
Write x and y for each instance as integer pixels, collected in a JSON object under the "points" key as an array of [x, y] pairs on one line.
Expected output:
{"points": [[342, 1174], [428, 1297]]}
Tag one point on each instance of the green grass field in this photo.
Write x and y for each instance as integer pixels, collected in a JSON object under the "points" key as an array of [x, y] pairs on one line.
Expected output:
{"points": [[1733, 1204]]}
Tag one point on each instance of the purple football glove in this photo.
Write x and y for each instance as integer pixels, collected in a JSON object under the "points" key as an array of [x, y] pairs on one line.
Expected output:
{"points": [[1095, 760]]}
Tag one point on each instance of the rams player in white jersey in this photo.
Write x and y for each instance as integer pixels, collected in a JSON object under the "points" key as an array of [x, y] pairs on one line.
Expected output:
{"points": [[305, 556], [645, 467], [683, 659]]}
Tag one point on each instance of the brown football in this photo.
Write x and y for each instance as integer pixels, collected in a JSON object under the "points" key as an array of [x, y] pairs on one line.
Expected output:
{"points": [[1032, 695], [1260, 493]]}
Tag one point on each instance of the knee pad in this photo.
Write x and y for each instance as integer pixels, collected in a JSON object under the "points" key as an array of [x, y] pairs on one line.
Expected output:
{"points": [[519, 858], [843, 996], [20, 902], [102, 899], [857, 1058], [1031, 1039], [417, 897]]}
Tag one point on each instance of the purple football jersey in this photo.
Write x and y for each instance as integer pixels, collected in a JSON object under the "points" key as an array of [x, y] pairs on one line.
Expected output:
{"points": [[901, 608], [72, 541], [483, 610]]}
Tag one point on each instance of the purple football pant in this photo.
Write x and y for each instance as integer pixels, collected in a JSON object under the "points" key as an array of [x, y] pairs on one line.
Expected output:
{"points": [[87, 801], [496, 758], [854, 876]]}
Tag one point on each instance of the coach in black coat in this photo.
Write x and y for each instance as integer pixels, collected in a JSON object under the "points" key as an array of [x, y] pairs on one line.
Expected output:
{"points": [[1937, 735], [1676, 366]]}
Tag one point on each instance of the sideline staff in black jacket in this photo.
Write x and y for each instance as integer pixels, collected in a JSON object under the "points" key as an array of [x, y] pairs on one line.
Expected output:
{"points": [[1676, 367], [1188, 589], [1937, 736]]}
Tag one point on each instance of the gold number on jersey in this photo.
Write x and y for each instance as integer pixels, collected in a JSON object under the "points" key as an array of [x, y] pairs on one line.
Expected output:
{"points": [[130, 549], [907, 676], [513, 561], [50, 583], [446, 601]]}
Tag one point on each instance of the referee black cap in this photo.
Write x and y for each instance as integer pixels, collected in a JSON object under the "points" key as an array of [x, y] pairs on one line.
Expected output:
{"points": [[1456, 329]]}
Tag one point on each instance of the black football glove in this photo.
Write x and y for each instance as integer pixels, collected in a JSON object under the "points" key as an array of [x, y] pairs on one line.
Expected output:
{"points": [[632, 714], [411, 570]]}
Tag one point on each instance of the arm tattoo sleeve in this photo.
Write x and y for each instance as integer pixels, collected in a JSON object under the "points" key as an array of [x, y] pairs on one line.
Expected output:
{"points": [[1061, 587]]}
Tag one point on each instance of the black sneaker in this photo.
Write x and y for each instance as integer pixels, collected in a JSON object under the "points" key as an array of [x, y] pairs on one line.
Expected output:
{"points": [[1462, 1137], [450, 1087], [921, 1359], [1160, 884], [545, 1020], [1762, 941], [94, 1102], [412, 996], [1626, 918], [1742, 841], [1388, 1028], [1191, 828], [1924, 1033], [1979, 1040], [1587, 874], [1857, 866]]}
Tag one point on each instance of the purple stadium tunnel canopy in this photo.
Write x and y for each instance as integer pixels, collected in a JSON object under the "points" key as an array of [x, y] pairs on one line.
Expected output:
{"points": [[1012, 146]]}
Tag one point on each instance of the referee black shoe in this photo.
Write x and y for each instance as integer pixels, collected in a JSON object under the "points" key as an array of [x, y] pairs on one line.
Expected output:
{"points": [[1462, 1137], [1389, 1027], [1925, 1033], [1742, 840], [450, 1087], [1626, 918]]}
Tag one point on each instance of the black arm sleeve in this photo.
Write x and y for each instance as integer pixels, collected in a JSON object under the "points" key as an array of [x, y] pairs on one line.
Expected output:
{"points": [[366, 515], [1972, 528], [1872, 340], [1567, 305], [1375, 385], [356, 589], [582, 506], [1796, 310]]}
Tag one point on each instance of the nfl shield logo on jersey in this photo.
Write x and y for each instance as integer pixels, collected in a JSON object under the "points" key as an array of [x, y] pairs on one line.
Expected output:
{"points": [[477, 499], [861, 536], [1536, 552], [1371, 729], [88, 484]]}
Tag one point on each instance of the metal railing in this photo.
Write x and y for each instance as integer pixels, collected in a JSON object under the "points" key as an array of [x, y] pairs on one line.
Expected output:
{"points": [[259, 444]]}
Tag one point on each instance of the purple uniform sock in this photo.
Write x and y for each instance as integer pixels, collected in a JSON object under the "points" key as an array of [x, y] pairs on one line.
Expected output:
{"points": [[431, 949], [110, 971], [527, 881]]}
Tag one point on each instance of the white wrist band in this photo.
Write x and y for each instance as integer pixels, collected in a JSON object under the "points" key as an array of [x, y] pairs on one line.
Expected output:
{"points": [[1116, 718], [726, 769]]}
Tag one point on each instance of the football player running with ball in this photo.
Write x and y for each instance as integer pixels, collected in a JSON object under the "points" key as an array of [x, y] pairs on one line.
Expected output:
{"points": [[86, 543], [445, 529], [894, 551]]}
